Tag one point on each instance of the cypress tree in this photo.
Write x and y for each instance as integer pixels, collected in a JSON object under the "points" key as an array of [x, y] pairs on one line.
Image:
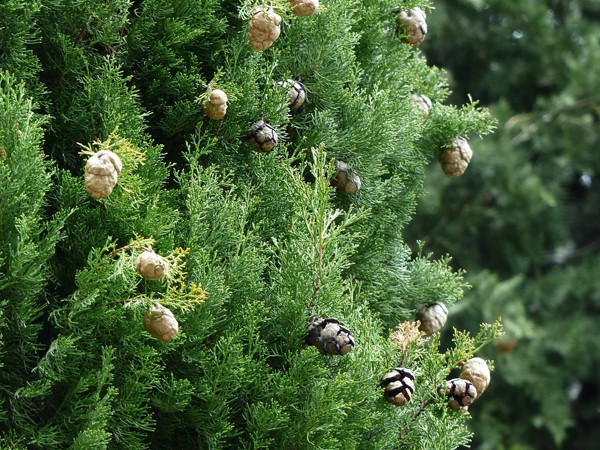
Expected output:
{"points": [[253, 246]]}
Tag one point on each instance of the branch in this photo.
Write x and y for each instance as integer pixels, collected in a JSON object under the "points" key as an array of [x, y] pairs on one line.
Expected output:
{"points": [[415, 416], [129, 247], [319, 267]]}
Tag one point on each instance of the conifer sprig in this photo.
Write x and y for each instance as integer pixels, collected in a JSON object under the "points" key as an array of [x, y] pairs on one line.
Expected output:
{"points": [[176, 290]]}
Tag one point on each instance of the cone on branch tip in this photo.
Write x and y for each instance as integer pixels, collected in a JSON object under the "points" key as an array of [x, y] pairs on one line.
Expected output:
{"points": [[455, 159], [477, 372], [423, 104], [413, 26], [329, 336], [304, 7], [161, 323], [344, 179], [262, 136], [461, 393], [296, 93], [102, 173], [216, 105], [150, 265], [398, 386], [432, 317], [264, 28]]}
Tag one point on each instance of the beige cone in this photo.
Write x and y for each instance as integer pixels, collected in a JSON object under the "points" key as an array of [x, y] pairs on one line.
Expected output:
{"points": [[304, 7], [264, 28], [455, 159], [477, 372], [216, 106], [161, 323], [414, 26], [101, 173], [150, 265]]}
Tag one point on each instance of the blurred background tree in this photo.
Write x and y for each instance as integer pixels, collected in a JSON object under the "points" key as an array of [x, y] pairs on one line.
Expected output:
{"points": [[523, 220]]}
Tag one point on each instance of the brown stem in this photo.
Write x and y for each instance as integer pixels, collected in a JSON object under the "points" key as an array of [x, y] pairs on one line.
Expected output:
{"points": [[404, 355], [415, 416], [318, 279], [219, 127], [83, 33], [129, 247]]}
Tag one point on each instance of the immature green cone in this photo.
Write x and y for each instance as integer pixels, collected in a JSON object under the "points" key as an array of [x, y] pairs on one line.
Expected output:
{"points": [[264, 28], [216, 105], [477, 372], [101, 173], [432, 317], [330, 336], [304, 7], [161, 323], [455, 159], [151, 266], [398, 386]]}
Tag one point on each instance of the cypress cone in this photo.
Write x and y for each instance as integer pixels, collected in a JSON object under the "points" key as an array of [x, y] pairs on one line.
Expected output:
{"points": [[101, 173]]}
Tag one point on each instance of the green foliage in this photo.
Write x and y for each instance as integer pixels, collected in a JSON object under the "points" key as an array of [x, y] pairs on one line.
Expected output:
{"points": [[414, 282], [170, 47], [523, 219], [28, 238], [256, 244], [18, 20]]}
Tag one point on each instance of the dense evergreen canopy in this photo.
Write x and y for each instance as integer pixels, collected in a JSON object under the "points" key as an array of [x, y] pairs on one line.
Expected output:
{"points": [[253, 245]]}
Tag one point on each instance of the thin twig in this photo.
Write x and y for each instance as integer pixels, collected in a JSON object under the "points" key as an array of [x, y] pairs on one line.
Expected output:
{"points": [[416, 415], [83, 33], [129, 247], [319, 268]]}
